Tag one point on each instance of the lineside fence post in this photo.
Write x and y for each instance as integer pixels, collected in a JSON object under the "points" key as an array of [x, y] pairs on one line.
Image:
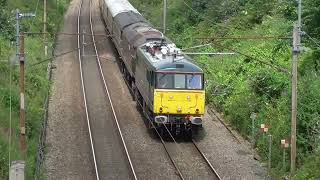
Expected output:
{"points": [[253, 117], [269, 153]]}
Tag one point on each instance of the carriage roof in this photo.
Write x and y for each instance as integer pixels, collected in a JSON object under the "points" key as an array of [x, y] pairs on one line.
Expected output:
{"points": [[120, 6]]}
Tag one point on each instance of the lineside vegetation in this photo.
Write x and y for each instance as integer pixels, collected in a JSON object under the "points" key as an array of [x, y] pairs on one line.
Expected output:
{"points": [[239, 85], [37, 84]]}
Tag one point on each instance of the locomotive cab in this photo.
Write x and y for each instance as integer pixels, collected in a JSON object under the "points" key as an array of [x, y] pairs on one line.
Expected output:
{"points": [[170, 85], [179, 96]]}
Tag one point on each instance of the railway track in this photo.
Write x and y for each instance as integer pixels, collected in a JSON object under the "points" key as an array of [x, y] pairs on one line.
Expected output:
{"points": [[81, 57], [191, 147], [176, 151], [206, 159], [85, 98]]}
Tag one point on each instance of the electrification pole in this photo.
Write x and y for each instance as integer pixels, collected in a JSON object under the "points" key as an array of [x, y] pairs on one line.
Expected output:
{"points": [[296, 51], [295, 58], [23, 145], [21, 55], [17, 32], [164, 16], [299, 14], [45, 27]]}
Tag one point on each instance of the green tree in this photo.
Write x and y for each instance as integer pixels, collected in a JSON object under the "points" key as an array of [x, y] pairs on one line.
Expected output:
{"points": [[6, 27], [312, 17]]}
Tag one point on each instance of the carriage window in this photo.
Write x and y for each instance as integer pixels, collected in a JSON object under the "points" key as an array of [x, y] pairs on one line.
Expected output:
{"points": [[179, 81], [194, 81]]}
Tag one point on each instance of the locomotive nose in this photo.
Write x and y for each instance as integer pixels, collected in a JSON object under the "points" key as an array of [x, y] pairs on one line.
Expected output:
{"points": [[179, 102]]}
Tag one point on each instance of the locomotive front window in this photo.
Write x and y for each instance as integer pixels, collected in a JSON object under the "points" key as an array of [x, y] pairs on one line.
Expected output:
{"points": [[194, 81], [165, 81], [179, 81]]}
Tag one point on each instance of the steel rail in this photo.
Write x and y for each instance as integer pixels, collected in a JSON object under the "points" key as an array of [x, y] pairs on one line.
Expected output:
{"points": [[200, 152], [167, 151], [206, 159], [109, 96], [84, 95]]}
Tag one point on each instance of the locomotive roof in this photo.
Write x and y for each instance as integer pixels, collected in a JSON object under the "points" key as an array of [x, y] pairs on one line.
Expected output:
{"points": [[177, 66], [169, 63], [119, 6]]}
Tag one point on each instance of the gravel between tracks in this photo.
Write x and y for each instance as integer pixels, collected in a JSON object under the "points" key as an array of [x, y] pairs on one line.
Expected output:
{"points": [[68, 148]]}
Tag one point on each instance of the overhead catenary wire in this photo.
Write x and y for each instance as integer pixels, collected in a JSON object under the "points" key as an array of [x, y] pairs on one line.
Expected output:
{"points": [[277, 67], [313, 40], [35, 13], [209, 53], [246, 37], [64, 33], [65, 53], [235, 38], [200, 15]]}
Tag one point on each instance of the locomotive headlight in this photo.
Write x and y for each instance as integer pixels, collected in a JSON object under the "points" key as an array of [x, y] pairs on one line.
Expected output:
{"points": [[179, 109], [197, 111], [161, 110]]}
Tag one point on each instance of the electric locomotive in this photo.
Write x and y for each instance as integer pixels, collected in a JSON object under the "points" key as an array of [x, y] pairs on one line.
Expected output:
{"points": [[167, 85]]}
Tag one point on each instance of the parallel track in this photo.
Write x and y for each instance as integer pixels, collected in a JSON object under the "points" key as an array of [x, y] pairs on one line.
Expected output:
{"points": [[106, 91], [85, 98]]}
